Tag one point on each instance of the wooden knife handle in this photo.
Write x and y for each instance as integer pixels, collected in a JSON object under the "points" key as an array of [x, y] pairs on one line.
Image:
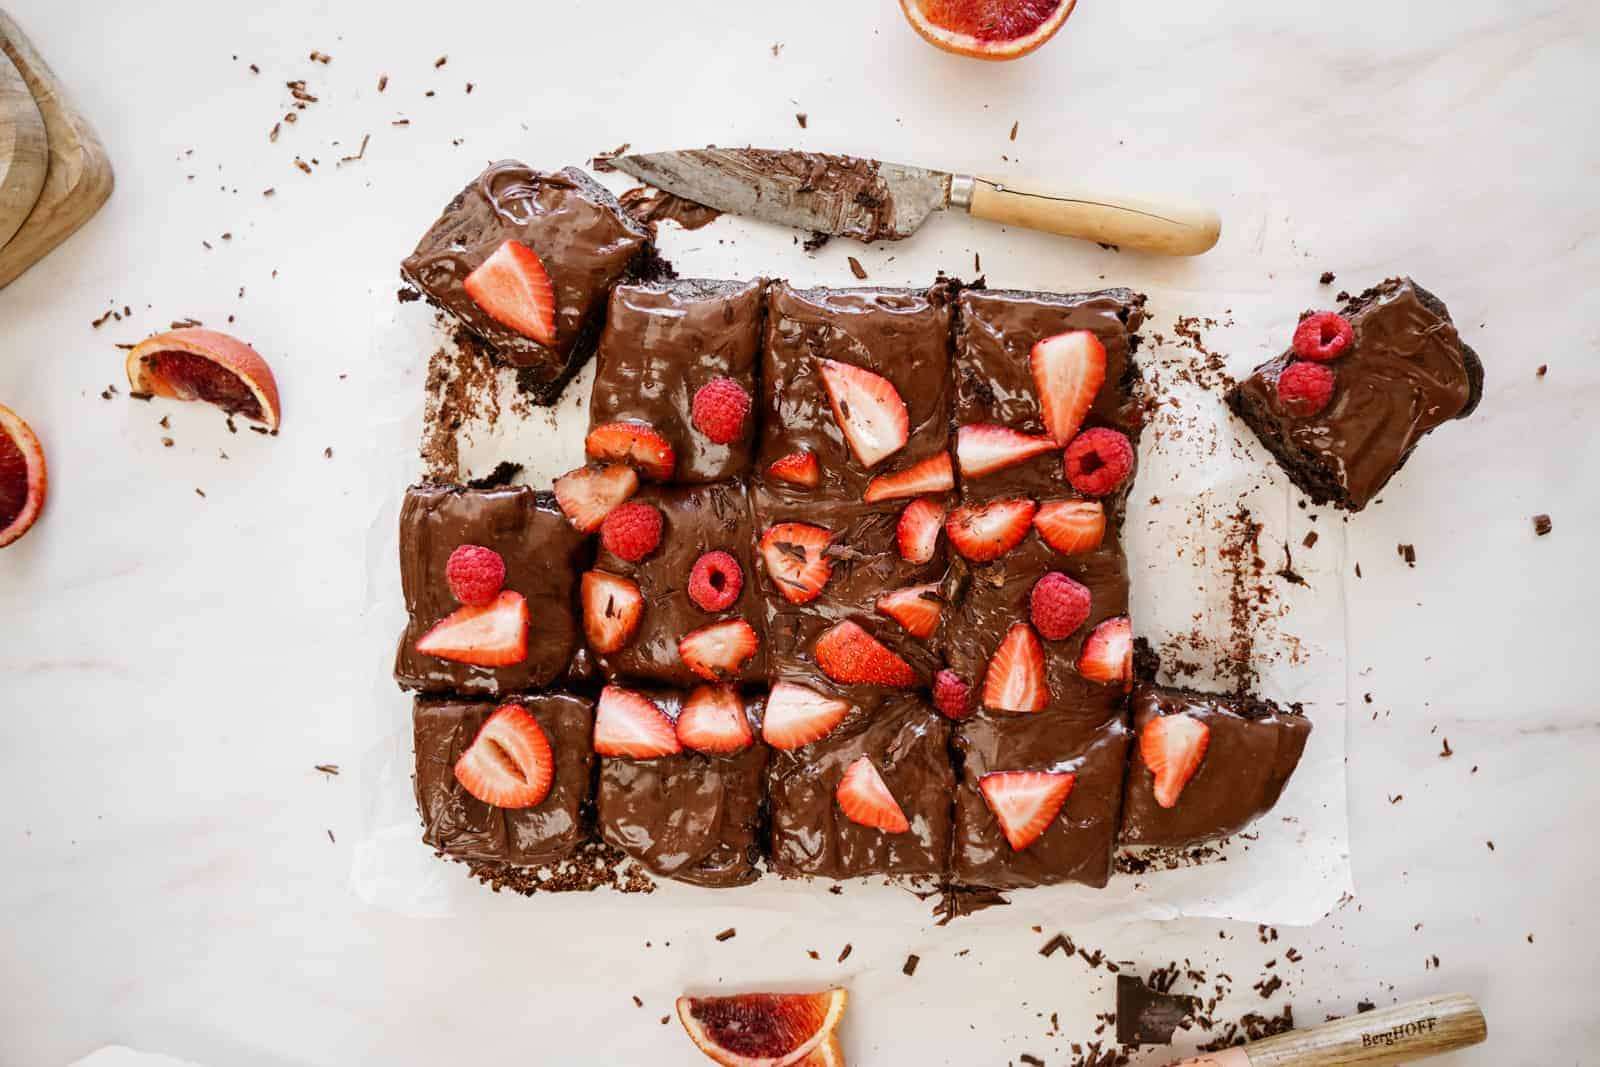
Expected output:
{"points": [[1171, 228], [1404, 1033]]}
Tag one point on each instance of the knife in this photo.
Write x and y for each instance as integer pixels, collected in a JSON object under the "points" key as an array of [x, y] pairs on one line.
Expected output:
{"points": [[869, 200]]}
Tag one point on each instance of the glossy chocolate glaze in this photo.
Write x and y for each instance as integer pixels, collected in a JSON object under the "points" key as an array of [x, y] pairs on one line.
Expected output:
{"points": [[907, 742], [698, 519], [901, 334], [690, 817], [994, 382], [457, 823], [579, 231], [1078, 845], [1407, 372], [661, 343], [1254, 749], [543, 556]]}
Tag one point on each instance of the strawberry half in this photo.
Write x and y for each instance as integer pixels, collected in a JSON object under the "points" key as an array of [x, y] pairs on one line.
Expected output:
{"points": [[796, 554], [917, 532], [713, 722], [915, 607], [612, 608], [513, 288], [1015, 680], [630, 724], [1070, 526], [1107, 654], [867, 408], [932, 475], [1025, 803], [1068, 370], [798, 716], [1172, 747], [633, 443], [493, 635], [508, 765], [587, 495], [866, 800], [985, 533], [851, 656], [718, 651], [797, 468], [985, 449]]}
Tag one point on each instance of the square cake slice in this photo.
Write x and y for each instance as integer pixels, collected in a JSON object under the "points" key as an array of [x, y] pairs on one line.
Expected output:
{"points": [[1345, 418], [1222, 763], [526, 637], [525, 260], [691, 816], [678, 607], [459, 824], [665, 341]]}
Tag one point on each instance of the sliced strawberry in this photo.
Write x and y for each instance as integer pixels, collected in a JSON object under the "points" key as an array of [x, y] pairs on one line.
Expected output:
{"points": [[1108, 653], [851, 656], [1172, 747], [587, 495], [630, 724], [632, 443], [612, 608], [796, 554], [868, 409], [932, 475], [916, 607], [1015, 680], [513, 289], [918, 530], [713, 721], [798, 716], [866, 800], [508, 764], [718, 651], [989, 532], [493, 635], [797, 468], [1025, 802], [985, 449], [1070, 526], [1068, 370]]}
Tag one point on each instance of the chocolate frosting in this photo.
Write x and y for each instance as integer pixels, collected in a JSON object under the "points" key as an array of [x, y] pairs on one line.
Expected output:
{"points": [[579, 231], [661, 343], [691, 817], [457, 823], [698, 519], [1254, 748], [1406, 373], [846, 194], [543, 556], [907, 742]]}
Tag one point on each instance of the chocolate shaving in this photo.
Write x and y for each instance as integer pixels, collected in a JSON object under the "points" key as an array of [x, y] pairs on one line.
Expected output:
{"points": [[1541, 525], [327, 768], [856, 268], [728, 935], [910, 967]]}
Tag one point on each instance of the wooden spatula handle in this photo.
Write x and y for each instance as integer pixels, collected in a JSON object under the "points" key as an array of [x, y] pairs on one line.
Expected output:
{"points": [[1404, 1033], [1170, 228]]}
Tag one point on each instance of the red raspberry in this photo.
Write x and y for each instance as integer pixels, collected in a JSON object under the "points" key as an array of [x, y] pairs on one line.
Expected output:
{"points": [[1058, 605], [1305, 388], [951, 695], [475, 574], [1323, 336], [631, 531], [720, 407], [715, 581], [1098, 461]]}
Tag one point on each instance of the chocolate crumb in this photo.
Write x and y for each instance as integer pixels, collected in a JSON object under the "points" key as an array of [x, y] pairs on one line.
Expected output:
{"points": [[1397, 798], [1310, 539], [469, 88], [816, 240], [637, 1002], [1543, 369], [911, 965], [330, 832], [254, 69], [165, 423], [401, 122], [1407, 553], [383, 82], [800, 117], [813, 953], [268, 191], [441, 61], [1364, 1006], [166, 442], [1060, 942], [327, 453], [776, 48], [1014, 127], [361, 153], [320, 57], [331, 769], [1490, 844], [856, 268], [727, 935], [305, 168], [844, 953], [1327, 277], [501, 476], [1541, 525], [1033, 1061], [1447, 751]]}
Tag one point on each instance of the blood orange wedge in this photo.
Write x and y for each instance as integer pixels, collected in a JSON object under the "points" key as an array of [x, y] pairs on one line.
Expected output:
{"points": [[987, 29], [827, 1054], [194, 363], [762, 1029], [22, 476]]}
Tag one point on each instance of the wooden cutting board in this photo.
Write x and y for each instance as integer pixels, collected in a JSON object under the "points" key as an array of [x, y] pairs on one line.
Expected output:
{"points": [[77, 176], [24, 152]]}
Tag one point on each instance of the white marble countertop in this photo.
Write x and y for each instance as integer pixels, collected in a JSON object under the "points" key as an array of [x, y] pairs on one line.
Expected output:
{"points": [[173, 666]]}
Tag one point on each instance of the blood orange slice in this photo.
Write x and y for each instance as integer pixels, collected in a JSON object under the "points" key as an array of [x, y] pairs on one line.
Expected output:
{"points": [[22, 476], [194, 363], [762, 1029], [987, 29]]}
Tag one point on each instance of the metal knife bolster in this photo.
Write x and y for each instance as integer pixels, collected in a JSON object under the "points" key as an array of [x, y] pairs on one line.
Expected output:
{"points": [[961, 186]]}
